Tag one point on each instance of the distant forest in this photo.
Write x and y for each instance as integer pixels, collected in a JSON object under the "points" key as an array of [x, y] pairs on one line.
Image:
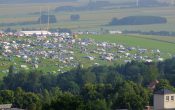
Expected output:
{"points": [[138, 20]]}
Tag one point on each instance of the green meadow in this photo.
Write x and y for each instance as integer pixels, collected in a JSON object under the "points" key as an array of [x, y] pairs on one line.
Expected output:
{"points": [[165, 44]]}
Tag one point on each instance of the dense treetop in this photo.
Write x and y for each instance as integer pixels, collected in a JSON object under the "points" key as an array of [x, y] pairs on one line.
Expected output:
{"points": [[94, 88]]}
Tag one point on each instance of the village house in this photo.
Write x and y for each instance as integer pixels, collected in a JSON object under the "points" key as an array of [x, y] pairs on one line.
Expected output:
{"points": [[5, 106], [164, 100], [8, 107]]}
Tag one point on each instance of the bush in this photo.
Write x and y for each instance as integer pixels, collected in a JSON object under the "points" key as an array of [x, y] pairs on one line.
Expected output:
{"points": [[44, 19], [75, 17]]}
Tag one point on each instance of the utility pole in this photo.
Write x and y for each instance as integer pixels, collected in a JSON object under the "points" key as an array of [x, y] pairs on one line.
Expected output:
{"points": [[48, 19], [172, 2], [137, 3], [40, 19]]}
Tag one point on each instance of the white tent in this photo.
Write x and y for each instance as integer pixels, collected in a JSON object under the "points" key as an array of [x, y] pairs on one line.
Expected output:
{"points": [[29, 33]]}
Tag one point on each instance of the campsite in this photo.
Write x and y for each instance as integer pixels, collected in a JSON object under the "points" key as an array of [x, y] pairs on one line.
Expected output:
{"points": [[59, 52]]}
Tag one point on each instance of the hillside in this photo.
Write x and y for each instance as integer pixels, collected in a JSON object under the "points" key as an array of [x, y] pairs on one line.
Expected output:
{"points": [[49, 1], [33, 1]]}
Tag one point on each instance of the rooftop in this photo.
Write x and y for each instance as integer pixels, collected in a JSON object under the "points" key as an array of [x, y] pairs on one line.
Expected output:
{"points": [[5, 106], [164, 91]]}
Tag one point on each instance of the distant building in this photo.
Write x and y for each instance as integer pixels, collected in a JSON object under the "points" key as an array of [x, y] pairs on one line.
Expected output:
{"points": [[164, 100], [5, 106], [115, 32], [30, 33], [8, 107]]}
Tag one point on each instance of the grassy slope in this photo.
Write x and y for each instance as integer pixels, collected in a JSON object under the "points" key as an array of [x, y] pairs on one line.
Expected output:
{"points": [[139, 41], [165, 44]]}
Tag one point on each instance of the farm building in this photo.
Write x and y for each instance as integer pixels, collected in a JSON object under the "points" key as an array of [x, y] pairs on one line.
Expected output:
{"points": [[115, 32], [164, 100], [29, 33]]}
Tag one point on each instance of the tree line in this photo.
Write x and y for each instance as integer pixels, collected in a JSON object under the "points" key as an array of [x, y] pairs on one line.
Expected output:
{"points": [[138, 20], [95, 88]]}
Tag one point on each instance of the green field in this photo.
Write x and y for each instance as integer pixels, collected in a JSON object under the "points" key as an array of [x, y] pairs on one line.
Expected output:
{"points": [[165, 44]]}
